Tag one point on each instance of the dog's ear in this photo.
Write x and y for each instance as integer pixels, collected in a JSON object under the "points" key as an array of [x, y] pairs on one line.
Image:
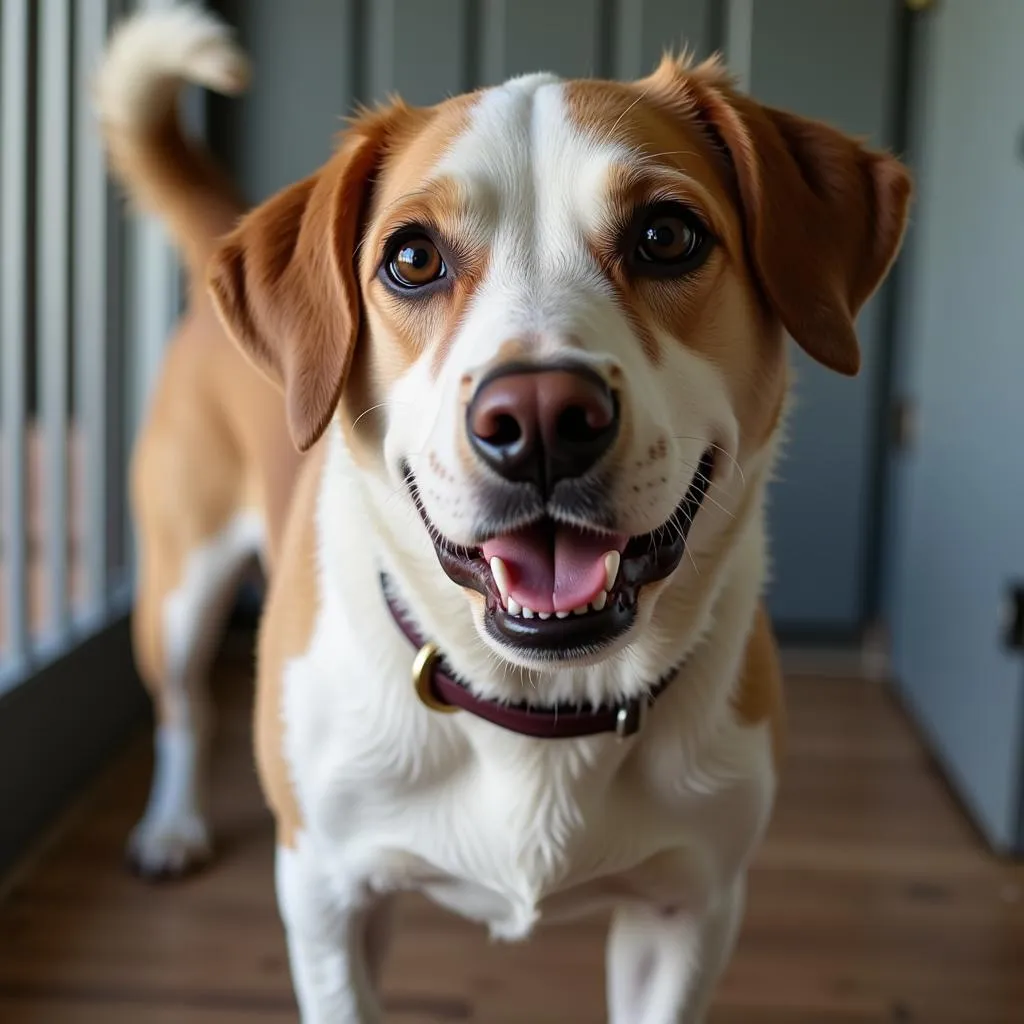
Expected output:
{"points": [[824, 216], [285, 285]]}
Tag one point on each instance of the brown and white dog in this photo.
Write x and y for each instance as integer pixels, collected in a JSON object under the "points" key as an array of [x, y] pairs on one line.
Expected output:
{"points": [[514, 653]]}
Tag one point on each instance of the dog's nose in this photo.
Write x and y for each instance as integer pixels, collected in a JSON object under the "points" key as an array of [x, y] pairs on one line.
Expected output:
{"points": [[542, 425]]}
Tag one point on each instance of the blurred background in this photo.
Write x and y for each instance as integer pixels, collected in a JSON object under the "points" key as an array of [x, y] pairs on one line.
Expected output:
{"points": [[897, 521]]}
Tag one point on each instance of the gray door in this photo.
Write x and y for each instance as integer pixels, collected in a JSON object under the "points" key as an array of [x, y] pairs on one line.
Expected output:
{"points": [[959, 523]]}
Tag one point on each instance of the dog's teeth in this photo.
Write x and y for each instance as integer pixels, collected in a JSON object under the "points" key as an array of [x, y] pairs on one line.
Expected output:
{"points": [[514, 608], [562, 615], [500, 573], [600, 601], [527, 613], [582, 610], [611, 568], [544, 615]]}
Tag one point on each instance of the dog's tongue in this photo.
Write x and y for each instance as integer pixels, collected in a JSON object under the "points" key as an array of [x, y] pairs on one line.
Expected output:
{"points": [[552, 567]]}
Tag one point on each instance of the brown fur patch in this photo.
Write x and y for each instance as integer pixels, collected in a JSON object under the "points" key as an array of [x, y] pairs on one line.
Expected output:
{"points": [[806, 219], [288, 622], [285, 285], [717, 311], [409, 323], [759, 694], [823, 215], [406, 192]]}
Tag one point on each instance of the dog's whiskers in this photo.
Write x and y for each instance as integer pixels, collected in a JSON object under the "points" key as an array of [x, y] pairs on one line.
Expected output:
{"points": [[683, 535], [708, 497], [717, 448]]}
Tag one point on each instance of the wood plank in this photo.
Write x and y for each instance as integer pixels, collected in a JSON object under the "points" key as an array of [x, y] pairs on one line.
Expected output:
{"points": [[872, 900]]}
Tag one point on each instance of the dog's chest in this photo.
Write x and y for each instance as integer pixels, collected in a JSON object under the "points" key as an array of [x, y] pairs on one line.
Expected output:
{"points": [[510, 848], [502, 851], [496, 827]]}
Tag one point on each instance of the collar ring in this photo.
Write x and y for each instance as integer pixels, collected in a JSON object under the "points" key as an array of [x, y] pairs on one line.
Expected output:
{"points": [[422, 677]]}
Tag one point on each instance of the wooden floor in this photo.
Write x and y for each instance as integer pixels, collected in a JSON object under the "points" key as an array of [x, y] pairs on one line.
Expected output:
{"points": [[872, 900]]}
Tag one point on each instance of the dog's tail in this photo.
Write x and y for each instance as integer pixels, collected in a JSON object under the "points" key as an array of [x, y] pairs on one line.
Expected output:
{"points": [[149, 58]]}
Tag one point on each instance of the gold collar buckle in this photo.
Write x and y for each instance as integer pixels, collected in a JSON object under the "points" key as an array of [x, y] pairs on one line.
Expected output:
{"points": [[422, 675]]}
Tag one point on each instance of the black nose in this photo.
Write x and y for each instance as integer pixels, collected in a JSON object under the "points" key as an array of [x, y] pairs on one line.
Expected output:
{"points": [[542, 425]]}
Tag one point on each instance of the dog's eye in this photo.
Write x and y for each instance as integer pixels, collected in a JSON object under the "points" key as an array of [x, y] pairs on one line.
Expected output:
{"points": [[414, 261], [668, 240], [672, 240]]}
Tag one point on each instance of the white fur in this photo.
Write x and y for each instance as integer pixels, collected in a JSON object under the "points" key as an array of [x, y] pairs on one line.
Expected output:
{"points": [[173, 833], [149, 56], [498, 827]]}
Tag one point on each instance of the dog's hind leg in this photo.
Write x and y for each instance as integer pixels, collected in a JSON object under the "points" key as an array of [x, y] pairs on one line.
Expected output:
{"points": [[183, 601]]}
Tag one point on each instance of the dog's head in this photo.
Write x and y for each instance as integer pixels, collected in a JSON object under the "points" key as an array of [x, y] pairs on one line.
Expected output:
{"points": [[553, 315]]}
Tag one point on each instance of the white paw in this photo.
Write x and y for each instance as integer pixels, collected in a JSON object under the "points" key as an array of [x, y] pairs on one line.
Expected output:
{"points": [[166, 848]]}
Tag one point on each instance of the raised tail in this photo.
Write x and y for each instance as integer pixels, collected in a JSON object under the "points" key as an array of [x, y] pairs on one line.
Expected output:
{"points": [[149, 58]]}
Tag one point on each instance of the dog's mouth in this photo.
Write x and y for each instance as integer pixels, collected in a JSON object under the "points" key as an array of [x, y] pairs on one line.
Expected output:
{"points": [[561, 591]]}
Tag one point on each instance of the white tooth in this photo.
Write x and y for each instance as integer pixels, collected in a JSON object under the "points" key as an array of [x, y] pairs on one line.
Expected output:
{"points": [[500, 574], [611, 568], [544, 615], [527, 614], [582, 610], [513, 607], [561, 615], [600, 601]]}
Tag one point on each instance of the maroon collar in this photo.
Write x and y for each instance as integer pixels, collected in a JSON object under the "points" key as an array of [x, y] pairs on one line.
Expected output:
{"points": [[439, 690]]}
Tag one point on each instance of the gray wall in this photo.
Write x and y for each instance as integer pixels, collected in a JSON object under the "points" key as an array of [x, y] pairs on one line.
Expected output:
{"points": [[306, 76], [836, 60], [315, 59]]}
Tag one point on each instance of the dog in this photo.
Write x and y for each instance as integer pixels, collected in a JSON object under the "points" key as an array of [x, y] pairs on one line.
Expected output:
{"points": [[496, 392]]}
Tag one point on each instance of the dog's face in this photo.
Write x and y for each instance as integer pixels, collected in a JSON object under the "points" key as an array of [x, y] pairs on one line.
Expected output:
{"points": [[554, 314]]}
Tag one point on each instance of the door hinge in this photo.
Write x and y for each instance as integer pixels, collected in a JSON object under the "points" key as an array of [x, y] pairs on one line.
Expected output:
{"points": [[1013, 618], [903, 424]]}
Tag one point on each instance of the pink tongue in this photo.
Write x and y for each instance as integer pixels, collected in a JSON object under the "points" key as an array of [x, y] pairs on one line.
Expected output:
{"points": [[552, 567]]}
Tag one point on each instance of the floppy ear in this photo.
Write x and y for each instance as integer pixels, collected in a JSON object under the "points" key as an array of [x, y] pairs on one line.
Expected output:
{"points": [[824, 216], [285, 287]]}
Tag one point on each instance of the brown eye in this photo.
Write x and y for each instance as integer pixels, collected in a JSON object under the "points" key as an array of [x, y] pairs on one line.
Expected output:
{"points": [[414, 261], [672, 241], [667, 239]]}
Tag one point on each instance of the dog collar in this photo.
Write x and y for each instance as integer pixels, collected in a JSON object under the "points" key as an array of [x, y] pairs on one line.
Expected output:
{"points": [[439, 689]]}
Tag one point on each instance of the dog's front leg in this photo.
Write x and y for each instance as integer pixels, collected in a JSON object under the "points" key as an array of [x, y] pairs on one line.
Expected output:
{"points": [[335, 942], [663, 963]]}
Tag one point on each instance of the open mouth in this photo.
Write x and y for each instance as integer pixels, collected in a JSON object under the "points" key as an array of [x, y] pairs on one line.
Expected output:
{"points": [[563, 591]]}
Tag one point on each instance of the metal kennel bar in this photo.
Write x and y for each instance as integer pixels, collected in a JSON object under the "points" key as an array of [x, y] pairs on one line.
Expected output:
{"points": [[14, 220], [90, 337], [53, 296]]}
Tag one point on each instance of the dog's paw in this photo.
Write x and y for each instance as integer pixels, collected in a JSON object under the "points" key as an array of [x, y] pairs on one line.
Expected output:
{"points": [[166, 849]]}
